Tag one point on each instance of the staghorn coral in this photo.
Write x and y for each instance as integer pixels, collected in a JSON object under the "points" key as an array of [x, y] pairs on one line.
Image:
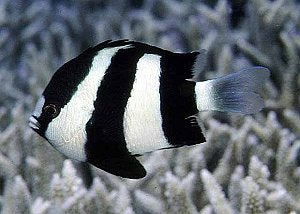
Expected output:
{"points": [[250, 164]]}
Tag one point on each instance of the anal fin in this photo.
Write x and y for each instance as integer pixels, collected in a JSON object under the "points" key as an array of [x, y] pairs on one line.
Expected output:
{"points": [[193, 120]]}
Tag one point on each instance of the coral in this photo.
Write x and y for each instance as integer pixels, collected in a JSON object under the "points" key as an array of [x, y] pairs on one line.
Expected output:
{"points": [[252, 199], [250, 164], [215, 194]]}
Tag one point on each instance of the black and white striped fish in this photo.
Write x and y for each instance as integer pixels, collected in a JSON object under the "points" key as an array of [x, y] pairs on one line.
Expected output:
{"points": [[121, 99]]}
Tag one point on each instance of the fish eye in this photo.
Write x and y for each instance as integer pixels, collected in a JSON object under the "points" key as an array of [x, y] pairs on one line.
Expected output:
{"points": [[51, 110]]}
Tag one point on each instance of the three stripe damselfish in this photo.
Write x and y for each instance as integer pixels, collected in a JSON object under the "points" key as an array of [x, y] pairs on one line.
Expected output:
{"points": [[121, 99]]}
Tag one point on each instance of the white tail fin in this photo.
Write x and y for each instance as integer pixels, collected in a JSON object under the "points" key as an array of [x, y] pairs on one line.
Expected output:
{"points": [[235, 92]]}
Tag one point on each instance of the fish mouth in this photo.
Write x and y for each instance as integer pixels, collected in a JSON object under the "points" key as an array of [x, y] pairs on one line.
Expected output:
{"points": [[34, 123]]}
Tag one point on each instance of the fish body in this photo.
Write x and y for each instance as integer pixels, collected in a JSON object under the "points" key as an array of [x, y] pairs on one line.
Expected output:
{"points": [[121, 99]]}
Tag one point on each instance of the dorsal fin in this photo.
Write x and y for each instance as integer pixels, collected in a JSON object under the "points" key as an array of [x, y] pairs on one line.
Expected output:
{"points": [[198, 67], [111, 44]]}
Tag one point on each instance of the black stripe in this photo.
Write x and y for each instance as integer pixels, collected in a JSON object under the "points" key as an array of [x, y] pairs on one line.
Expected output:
{"points": [[177, 99], [105, 135], [70, 75], [65, 81]]}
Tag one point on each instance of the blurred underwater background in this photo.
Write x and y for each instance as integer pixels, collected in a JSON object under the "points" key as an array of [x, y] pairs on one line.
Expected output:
{"points": [[250, 164]]}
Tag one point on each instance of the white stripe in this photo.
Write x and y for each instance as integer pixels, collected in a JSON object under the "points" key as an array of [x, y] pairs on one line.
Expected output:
{"points": [[204, 95], [142, 119], [67, 132]]}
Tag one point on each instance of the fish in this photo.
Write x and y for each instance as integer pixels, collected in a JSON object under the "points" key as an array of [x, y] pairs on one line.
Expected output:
{"points": [[121, 99]]}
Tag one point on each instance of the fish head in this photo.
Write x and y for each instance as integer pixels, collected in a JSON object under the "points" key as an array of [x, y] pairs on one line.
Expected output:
{"points": [[60, 116], [44, 113], [61, 124]]}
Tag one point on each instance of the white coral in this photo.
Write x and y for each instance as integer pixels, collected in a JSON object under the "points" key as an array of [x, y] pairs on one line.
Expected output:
{"points": [[215, 194], [253, 197]]}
